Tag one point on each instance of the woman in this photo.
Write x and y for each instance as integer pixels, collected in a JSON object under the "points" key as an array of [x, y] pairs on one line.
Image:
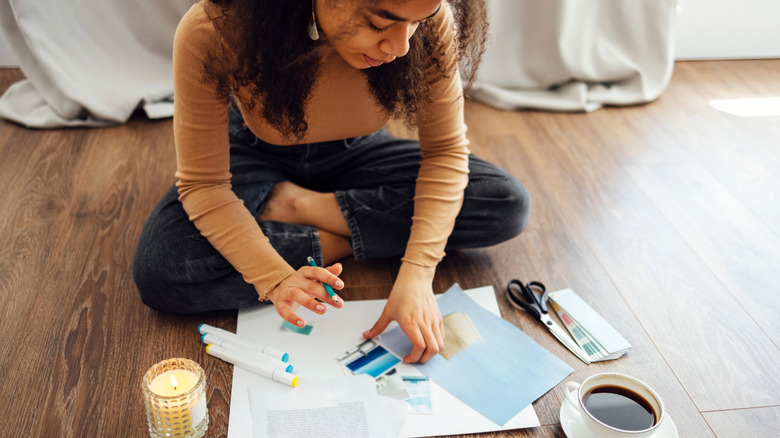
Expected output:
{"points": [[279, 109]]}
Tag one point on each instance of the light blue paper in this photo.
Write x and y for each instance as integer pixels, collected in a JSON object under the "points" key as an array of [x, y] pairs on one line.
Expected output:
{"points": [[497, 377]]}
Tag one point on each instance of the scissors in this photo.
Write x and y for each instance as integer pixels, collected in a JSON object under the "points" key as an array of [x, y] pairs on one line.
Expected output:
{"points": [[536, 305]]}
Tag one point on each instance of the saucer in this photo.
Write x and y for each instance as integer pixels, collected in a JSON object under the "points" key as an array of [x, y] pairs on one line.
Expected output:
{"points": [[573, 427]]}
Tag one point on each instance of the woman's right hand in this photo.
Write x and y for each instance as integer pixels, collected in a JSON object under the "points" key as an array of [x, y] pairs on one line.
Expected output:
{"points": [[302, 287]]}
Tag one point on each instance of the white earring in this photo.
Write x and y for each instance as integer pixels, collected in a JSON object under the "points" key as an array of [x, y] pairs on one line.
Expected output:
{"points": [[314, 34]]}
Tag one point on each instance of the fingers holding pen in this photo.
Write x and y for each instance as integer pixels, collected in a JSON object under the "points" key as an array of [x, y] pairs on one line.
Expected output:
{"points": [[328, 277], [318, 281], [319, 290], [305, 288]]}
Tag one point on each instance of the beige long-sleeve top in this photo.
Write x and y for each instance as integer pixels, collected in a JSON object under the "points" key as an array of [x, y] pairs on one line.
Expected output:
{"points": [[341, 106]]}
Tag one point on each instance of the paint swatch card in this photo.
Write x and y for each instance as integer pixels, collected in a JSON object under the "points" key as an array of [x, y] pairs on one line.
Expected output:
{"points": [[370, 358], [591, 331], [419, 390], [305, 330]]}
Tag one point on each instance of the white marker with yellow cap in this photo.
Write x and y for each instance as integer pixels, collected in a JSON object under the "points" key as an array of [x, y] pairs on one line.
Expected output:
{"points": [[260, 368]]}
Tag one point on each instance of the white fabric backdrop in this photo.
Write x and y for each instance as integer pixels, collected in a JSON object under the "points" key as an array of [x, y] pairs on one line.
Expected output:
{"points": [[92, 62], [576, 55], [88, 62]]}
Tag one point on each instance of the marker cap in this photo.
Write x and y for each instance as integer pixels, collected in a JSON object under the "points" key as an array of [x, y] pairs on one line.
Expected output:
{"points": [[275, 352], [286, 378]]}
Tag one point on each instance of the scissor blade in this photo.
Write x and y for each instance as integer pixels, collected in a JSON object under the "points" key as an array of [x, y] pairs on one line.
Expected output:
{"points": [[565, 339]]}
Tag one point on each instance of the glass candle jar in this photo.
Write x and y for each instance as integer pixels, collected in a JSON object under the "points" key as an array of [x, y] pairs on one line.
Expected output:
{"points": [[175, 398]]}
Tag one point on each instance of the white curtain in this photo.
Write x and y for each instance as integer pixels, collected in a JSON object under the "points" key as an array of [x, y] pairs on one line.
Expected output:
{"points": [[89, 62], [576, 55], [93, 62]]}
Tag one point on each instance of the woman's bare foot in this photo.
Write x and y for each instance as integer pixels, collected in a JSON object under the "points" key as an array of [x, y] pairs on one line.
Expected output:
{"points": [[291, 203], [282, 203], [334, 247]]}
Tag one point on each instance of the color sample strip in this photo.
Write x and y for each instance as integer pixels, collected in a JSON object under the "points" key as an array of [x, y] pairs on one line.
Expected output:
{"points": [[589, 344], [305, 330], [419, 400]]}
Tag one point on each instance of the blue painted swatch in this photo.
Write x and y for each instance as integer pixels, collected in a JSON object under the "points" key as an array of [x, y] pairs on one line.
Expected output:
{"points": [[375, 363]]}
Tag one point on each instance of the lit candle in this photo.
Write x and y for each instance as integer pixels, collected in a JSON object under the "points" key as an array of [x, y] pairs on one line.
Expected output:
{"points": [[175, 399], [173, 382]]}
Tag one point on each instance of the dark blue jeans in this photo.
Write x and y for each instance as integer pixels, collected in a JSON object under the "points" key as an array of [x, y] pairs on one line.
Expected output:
{"points": [[176, 269]]}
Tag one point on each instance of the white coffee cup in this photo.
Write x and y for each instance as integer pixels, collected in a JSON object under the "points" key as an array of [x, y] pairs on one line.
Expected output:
{"points": [[575, 394]]}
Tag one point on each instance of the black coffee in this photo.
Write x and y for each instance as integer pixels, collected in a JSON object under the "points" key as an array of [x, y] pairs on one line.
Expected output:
{"points": [[619, 407]]}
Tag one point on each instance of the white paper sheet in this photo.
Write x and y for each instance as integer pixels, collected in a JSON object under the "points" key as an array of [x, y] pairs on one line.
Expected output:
{"points": [[314, 358], [347, 407]]}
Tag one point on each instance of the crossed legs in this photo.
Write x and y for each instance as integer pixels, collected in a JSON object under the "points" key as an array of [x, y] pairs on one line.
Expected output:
{"points": [[291, 203]]}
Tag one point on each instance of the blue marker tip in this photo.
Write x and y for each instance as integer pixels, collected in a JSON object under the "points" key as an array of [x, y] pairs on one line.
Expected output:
{"points": [[199, 326], [286, 357], [202, 336], [289, 368]]}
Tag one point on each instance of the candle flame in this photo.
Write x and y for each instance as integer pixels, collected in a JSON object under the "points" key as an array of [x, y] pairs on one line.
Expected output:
{"points": [[174, 383]]}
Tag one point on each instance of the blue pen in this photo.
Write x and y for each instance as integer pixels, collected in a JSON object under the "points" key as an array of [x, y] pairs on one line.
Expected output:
{"points": [[327, 287]]}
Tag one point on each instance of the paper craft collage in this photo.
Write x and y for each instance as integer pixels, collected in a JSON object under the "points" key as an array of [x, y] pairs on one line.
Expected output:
{"points": [[445, 396]]}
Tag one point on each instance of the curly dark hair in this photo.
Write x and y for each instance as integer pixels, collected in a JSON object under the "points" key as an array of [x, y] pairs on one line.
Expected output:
{"points": [[261, 53]]}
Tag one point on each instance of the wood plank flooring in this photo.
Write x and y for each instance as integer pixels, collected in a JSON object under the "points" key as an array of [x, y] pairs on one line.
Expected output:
{"points": [[664, 217]]}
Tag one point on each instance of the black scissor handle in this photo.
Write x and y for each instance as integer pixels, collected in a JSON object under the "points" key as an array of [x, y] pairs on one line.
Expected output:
{"points": [[540, 299], [527, 299]]}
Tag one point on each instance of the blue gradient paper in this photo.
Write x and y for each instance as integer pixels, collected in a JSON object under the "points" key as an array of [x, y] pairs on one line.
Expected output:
{"points": [[377, 362], [497, 377]]}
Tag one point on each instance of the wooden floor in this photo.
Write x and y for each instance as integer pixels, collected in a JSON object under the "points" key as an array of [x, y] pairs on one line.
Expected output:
{"points": [[664, 217]]}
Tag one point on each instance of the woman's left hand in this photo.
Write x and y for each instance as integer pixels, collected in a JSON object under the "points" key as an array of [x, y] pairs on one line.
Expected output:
{"points": [[411, 303]]}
